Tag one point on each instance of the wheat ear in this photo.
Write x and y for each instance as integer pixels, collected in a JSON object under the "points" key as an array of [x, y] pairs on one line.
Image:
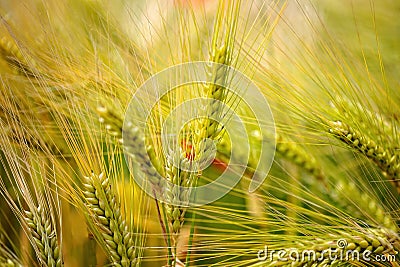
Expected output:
{"points": [[177, 176], [342, 188], [11, 53], [220, 53], [44, 236], [107, 217], [293, 152], [367, 120], [149, 163], [384, 158], [296, 154], [112, 121], [366, 204], [134, 143], [206, 128]]}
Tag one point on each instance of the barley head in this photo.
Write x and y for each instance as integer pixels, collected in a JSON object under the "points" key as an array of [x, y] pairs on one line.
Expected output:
{"points": [[108, 221]]}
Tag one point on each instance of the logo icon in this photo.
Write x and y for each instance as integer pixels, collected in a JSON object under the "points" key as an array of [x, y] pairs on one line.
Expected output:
{"points": [[143, 132]]}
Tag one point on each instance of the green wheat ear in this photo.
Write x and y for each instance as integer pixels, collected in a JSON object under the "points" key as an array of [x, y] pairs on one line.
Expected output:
{"points": [[221, 52], [339, 191], [111, 120], [372, 123], [366, 206], [386, 159], [113, 123], [108, 221], [44, 236], [11, 53], [293, 152]]}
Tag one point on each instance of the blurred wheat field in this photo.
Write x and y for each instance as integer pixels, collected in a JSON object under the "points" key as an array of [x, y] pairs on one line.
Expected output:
{"points": [[70, 155]]}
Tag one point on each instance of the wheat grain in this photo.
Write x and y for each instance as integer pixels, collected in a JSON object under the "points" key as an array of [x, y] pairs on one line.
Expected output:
{"points": [[107, 217]]}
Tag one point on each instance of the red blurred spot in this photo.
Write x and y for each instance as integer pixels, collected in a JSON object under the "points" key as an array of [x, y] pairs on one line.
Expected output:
{"points": [[190, 155], [191, 3], [188, 148], [219, 164]]}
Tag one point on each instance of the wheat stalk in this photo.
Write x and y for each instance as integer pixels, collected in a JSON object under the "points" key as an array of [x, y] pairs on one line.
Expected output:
{"points": [[384, 158], [105, 211], [44, 236]]}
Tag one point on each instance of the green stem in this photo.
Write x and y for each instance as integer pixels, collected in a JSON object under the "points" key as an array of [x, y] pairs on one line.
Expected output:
{"points": [[190, 242], [160, 219], [170, 256]]}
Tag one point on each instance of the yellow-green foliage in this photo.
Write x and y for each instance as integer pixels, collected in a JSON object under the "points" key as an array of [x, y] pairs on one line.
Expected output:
{"points": [[69, 159]]}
